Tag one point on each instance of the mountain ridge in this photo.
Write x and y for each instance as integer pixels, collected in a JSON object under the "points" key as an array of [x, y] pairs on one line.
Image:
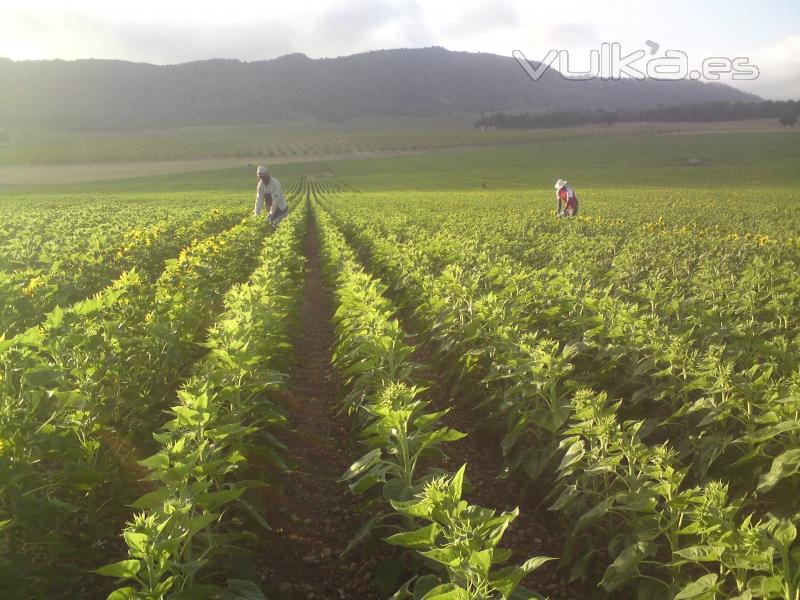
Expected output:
{"points": [[109, 94]]}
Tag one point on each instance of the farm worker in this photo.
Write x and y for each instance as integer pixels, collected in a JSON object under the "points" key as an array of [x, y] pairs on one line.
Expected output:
{"points": [[269, 196], [567, 200]]}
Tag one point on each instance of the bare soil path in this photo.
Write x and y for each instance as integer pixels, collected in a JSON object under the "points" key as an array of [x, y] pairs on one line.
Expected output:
{"points": [[313, 514]]}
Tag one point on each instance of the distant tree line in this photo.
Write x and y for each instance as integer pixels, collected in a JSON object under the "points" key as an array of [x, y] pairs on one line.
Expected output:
{"points": [[786, 111]]}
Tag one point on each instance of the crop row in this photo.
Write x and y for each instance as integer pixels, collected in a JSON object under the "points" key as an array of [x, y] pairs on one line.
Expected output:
{"points": [[422, 503], [311, 180], [640, 495], [54, 147], [78, 392], [223, 414], [34, 229], [76, 271]]}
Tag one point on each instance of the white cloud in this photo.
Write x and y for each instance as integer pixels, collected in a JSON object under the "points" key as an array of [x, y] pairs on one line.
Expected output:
{"points": [[478, 18], [570, 34], [359, 25], [779, 64]]}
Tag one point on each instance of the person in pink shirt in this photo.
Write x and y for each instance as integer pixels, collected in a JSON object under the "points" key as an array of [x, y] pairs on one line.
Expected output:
{"points": [[567, 200]]}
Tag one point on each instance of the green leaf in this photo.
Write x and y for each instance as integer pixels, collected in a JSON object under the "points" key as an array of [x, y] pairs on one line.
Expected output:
{"points": [[386, 576], [369, 480], [501, 555], [769, 432], [573, 455], [523, 593], [419, 538], [87, 307], [624, 567], [784, 465], [568, 494], [153, 500], [481, 561], [403, 592], [649, 589], [785, 533], [213, 500], [448, 434], [157, 462], [200, 522], [424, 585], [534, 563], [596, 513], [457, 482], [125, 593], [395, 489], [42, 377], [198, 592], [535, 462], [253, 513], [765, 586], [362, 465], [447, 556], [448, 591], [701, 553], [413, 508], [123, 568], [365, 531], [31, 337], [506, 579], [137, 541], [700, 588], [241, 589]]}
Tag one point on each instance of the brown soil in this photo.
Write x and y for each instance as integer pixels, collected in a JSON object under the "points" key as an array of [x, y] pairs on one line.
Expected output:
{"points": [[314, 515]]}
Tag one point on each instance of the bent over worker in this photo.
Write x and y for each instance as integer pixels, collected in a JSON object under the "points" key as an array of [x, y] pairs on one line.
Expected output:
{"points": [[566, 199], [269, 197]]}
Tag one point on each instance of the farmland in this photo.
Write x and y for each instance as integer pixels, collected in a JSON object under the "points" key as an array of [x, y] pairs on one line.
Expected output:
{"points": [[421, 384], [43, 146], [77, 156]]}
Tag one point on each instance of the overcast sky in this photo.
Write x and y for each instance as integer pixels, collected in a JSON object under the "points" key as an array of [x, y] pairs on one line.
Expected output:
{"points": [[173, 31]]}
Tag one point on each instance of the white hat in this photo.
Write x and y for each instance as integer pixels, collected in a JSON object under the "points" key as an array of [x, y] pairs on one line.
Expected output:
{"points": [[262, 170], [560, 183]]}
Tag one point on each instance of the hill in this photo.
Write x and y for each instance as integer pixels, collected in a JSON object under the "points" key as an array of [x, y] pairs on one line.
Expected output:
{"points": [[114, 95]]}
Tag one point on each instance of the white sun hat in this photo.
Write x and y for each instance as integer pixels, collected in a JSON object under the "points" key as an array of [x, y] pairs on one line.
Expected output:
{"points": [[262, 170], [560, 183]]}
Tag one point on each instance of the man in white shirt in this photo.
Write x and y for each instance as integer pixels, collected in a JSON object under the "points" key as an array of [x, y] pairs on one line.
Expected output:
{"points": [[269, 196]]}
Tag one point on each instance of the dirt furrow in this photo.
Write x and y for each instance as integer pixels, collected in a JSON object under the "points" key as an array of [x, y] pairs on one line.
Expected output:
{"points": [[313, 514]]}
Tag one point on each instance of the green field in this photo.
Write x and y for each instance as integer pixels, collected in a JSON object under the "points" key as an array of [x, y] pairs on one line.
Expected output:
{"points": [[635, 371], [363, 136]]}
